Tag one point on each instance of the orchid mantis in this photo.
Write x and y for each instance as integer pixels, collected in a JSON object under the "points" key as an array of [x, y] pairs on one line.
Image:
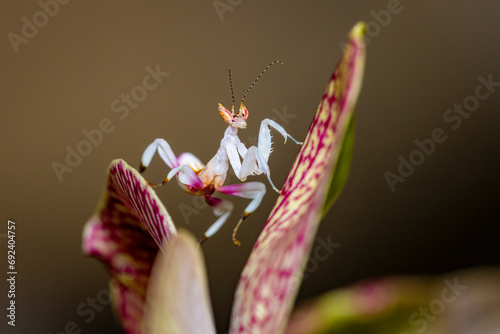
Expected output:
{"points": [[204, 180]]}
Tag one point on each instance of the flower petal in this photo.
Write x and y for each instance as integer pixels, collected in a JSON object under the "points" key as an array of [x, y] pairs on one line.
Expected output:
{"points": [[125, 233], [272, 275], [460, 302], [177, 299]]}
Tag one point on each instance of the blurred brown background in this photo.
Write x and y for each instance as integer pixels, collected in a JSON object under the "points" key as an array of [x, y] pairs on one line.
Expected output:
{"points": [[64, 78]]}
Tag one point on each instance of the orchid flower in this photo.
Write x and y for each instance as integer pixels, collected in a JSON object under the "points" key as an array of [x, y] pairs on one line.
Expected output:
{"points": [[169, 295]]}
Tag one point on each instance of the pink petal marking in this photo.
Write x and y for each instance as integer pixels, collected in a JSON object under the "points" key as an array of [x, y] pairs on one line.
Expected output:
{"points": [[272, 275], [125, 233]]}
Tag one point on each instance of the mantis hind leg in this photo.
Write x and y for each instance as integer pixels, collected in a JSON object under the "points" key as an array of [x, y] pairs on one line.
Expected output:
{"points": [[252, 190], [222, 209]]}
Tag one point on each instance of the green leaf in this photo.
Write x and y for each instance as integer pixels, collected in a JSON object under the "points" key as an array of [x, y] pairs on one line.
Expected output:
{"points": [[341, 171]]}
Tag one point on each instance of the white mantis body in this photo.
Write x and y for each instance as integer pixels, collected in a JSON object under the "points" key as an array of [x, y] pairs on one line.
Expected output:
{"points": [[199, 179]]}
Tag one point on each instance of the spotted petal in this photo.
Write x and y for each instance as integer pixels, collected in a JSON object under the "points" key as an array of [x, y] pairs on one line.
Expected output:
{"points": [[126, 233], [271, 277]]}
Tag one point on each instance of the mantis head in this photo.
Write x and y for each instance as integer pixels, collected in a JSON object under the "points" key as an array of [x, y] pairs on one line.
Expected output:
{"points": [[239, 120], [236, 120]]}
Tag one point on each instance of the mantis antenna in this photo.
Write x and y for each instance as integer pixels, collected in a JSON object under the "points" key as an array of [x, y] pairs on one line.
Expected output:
{"points": [[232, 92], [253, 83]]}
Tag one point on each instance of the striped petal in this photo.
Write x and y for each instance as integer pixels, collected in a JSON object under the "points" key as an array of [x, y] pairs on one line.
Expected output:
{"points": [[272, 275], [178, 300], [126, 233]]}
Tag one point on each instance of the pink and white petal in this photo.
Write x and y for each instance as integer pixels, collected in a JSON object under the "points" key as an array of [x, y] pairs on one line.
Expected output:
{"points": [[177, 300], [271, 278], [125, 234], [128, 306]]}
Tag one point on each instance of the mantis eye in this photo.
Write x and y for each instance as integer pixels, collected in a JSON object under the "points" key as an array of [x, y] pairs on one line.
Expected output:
{"points": [[243, 111], [225, 114]]}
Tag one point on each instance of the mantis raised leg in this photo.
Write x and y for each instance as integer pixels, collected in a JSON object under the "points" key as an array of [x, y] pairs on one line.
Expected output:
{"points": [[255, 158]]}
